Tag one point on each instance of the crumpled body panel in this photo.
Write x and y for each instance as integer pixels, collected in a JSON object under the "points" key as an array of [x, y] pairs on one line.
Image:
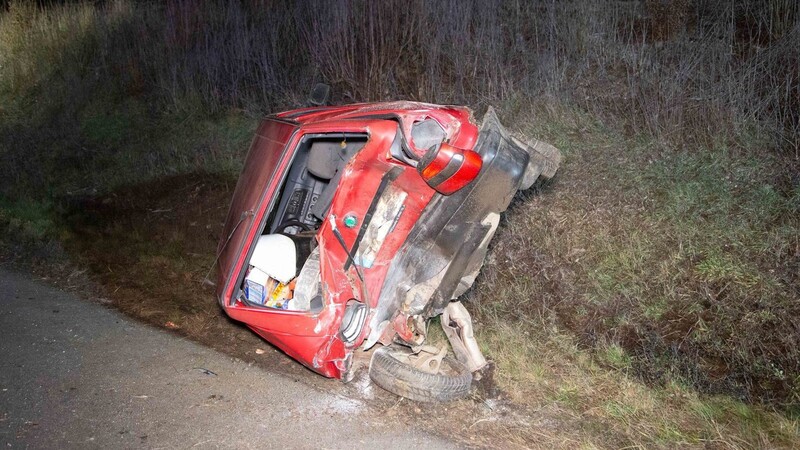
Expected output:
{"points": [[389, 241]]}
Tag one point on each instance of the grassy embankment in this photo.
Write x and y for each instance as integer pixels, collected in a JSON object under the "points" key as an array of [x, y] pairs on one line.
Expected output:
{"points": [[647, 291], [662, 264]]}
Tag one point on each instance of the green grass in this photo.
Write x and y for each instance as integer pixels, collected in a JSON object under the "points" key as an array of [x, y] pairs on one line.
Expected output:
{"points": [[114, 144], [27, 220], [616, 357], [672, 266], [704, 235], [545, 371]]}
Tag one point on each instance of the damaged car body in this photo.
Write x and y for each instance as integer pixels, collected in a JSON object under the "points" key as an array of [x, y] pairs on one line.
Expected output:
{"points": [[354, 225]]}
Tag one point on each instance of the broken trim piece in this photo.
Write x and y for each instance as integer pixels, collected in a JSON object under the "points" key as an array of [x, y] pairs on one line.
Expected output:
{"points": [[457, 325]]}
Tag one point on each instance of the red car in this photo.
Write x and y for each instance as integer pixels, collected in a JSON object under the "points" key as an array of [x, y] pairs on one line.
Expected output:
{"points": [[354, 225]]}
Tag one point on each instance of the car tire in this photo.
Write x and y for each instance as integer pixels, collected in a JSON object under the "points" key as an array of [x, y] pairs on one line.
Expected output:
{"points": [[548, 157], [387, 371], [543, 163]]}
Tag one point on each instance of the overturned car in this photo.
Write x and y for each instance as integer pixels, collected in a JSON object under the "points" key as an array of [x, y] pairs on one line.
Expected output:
{"points": [[354, 225]]}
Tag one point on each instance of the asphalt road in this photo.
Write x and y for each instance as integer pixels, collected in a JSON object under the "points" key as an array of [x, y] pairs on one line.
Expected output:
{"points": [[76, 374]]}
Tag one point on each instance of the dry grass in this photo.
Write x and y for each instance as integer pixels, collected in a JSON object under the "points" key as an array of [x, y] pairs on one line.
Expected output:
{"points": [[683, 72], [545, 371], [607, 252]]}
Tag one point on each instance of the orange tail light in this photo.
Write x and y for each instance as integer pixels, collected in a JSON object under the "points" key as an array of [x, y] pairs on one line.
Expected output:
{"points": [[447, 168]]}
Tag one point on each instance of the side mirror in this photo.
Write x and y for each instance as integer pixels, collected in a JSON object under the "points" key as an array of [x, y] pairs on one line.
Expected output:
{"points": [[319, 95], [447, 168]]}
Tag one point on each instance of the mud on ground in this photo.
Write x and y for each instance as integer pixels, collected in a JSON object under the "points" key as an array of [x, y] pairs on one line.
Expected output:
{"points": [[148, 250]]}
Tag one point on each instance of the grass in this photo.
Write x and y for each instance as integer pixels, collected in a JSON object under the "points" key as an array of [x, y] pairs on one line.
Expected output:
{"points": [[32, 221], [76, 117], [644, 262], [122, 143], [683, 228], [599, 407]]}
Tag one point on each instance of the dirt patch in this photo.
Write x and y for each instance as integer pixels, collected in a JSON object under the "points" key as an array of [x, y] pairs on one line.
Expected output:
{"points": [[148, 249], [151, 246]]}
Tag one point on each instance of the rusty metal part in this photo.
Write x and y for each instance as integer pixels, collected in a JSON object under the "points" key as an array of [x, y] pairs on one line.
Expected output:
{"points": [[426, 358]]}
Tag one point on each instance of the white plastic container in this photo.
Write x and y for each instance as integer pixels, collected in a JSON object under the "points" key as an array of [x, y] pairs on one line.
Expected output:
{"points": [[276, 256]]}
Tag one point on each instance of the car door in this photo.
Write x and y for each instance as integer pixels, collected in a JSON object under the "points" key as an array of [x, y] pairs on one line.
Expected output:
{"points": [[267, 159]]}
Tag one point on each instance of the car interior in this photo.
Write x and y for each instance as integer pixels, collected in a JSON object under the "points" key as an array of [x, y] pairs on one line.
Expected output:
{"points": [[302, 205]]}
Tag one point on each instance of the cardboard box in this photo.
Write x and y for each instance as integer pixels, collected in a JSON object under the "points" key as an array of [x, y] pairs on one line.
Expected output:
{"points": [[257, 286]]}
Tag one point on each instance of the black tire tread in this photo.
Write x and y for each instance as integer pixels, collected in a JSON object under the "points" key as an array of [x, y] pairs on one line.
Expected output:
{"points": [[406, 381], [548, 157]]}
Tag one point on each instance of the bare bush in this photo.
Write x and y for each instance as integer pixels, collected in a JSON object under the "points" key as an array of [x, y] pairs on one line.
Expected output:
{"points": [[681, 71]]}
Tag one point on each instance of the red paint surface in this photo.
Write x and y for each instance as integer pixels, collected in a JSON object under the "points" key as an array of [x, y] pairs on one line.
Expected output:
{"points": [[464, 175], [313, 339], [467, 170]]}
